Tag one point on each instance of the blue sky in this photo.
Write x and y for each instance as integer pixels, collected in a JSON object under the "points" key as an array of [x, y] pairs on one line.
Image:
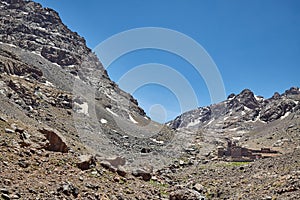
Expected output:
{"points": [[255, 44]]}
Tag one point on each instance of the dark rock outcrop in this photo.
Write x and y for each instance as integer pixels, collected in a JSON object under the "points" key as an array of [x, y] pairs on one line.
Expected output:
{"points": [[56, 141]]}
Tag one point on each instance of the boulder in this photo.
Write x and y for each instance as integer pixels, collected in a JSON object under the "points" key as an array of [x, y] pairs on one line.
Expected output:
{"points": [[107, 165], [3, 119], [186, 194], [86, 162], [144, 173], [56, 142], [68, 189], [198, 187], [116, 161], [8, 130], [121, 171]]}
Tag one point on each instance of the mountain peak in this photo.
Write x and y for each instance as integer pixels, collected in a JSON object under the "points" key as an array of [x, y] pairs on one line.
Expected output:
{"points": [[292, 91]]}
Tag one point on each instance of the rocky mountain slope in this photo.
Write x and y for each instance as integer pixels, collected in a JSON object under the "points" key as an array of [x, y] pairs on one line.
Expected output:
{"points": [[49, 73], [242, 115], [68, 132], [242, 108]]}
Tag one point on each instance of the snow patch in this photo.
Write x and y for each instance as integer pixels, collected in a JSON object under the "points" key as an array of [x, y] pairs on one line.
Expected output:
{"points": [[111, 112], [262, 121], [236, 138], [193, 123], [258, 98], [232, 129], [285, 116], [83, 108], [246, 108], [49, 84], [241, 132], [70, 66], [103, 121], [56, 64], [132, 119], [212, 121], [41, 28], [229, 99], [11, 45], [157, 141]]}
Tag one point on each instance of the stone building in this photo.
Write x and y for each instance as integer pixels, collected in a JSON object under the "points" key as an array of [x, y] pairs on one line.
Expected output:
{"points": [[238, 153]]}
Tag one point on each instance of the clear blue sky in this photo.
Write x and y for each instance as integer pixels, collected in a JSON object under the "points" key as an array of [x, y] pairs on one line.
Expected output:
{"points": [[255, 44]]}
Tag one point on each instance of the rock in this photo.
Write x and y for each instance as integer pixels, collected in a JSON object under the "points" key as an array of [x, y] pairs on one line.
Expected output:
{"points": [[276, 96], [116, 161], [145, 150], [7, 130], [181, 162], [24, 135], [185, 194], [86, 162], [198, 187], [3, 119], [68, 189], [4, 191], [5, 196], [277, 110], [57, 142], [19, 130], [117, 179], [232, 95], [144, 173], [292, 91], [121, 171], [15, 196], [59, 56], [23, 164], [107, 165]]}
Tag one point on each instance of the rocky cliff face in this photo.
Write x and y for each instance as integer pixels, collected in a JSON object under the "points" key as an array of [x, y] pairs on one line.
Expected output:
{"points": [[28, 26]]}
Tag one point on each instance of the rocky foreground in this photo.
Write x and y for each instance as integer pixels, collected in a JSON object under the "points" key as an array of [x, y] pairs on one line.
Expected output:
{"points": [[32, 167]]}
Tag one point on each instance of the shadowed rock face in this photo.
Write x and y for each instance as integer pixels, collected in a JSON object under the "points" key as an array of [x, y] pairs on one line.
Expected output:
{"points": [[57, 142]]}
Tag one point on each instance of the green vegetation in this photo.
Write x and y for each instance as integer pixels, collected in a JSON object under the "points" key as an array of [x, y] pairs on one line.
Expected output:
{"points": [[161, 186], [236, 164]]}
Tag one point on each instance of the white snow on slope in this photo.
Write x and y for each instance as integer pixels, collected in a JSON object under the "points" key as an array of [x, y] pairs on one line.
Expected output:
{"points": [[285, 116], [103, 121], [109, 110], [83, 108], [133, 120]]}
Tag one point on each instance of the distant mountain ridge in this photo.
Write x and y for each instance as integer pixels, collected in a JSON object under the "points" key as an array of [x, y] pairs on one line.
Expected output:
{"points": [[239, 109]]}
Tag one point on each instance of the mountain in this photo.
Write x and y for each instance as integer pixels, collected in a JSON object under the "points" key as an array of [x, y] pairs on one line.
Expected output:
{"points": [[68, 132], [47, 71], [246, 107], [244, 117]]}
